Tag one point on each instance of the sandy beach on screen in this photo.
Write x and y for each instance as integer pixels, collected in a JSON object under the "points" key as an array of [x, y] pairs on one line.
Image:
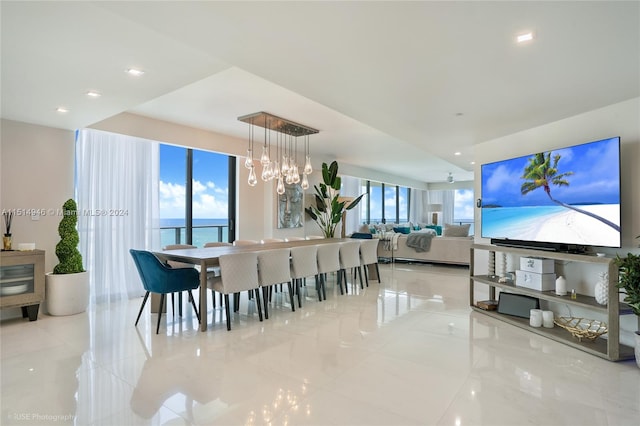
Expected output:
{"points": [[577, 228]]}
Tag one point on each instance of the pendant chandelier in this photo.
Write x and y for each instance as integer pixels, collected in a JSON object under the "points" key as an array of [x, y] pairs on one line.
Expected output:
{"points": [[283, 166]]}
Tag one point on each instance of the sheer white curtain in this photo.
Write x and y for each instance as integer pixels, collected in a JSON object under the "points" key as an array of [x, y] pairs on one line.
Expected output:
{"points": [[447, 199], [418, 205], [117, 194]]}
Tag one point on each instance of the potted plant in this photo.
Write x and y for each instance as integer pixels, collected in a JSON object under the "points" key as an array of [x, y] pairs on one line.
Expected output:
{"points": [[629, 282], [67, 287], [328, 208]]}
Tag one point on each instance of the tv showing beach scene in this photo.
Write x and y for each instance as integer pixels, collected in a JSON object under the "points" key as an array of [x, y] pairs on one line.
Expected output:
{"points": [[567, 196]]}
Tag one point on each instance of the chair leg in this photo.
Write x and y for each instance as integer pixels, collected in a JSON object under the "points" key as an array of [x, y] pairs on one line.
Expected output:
{"points": [[227, 311], [180, 303], [236, 302], [160, 312], [378, 272], [258, 303], [324, 289], [298, 288], [173, 305], [293, 305], [359, 273], [144, 301], [265, 294], [366, 274], [213, 298], [193, 303]]}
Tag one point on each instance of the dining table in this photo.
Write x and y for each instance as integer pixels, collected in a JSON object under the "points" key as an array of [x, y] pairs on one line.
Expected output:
{"points": [[209, 256]]}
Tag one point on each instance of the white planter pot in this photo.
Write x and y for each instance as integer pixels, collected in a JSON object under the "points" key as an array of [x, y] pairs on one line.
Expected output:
{"points": [[67, 294], [638, 348]]}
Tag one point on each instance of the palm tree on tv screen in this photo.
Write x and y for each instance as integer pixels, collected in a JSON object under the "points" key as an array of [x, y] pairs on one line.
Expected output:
{"points": [[540, 172]]}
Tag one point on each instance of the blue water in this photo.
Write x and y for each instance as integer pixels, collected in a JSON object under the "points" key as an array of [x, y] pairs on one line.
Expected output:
{"points": [[509, 222], [200, 235]]}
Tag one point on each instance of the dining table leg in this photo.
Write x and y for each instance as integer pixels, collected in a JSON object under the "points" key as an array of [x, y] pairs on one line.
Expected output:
{"points": [[203, 296]]}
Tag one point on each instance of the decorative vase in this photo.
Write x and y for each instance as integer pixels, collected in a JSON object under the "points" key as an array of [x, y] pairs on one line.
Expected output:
{"points": [[602, 289], [6, 242], [67, 294], [561, 286]]}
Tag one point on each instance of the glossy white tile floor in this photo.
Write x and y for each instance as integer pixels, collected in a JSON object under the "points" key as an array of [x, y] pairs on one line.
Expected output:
{"points": [[407, 351]]}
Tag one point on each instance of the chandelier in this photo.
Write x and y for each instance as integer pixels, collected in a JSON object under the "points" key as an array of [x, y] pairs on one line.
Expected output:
{"points": [[283, 166]]}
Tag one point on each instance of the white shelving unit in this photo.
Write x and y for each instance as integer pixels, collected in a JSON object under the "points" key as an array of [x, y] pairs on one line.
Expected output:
{"points": [[609, 348]]}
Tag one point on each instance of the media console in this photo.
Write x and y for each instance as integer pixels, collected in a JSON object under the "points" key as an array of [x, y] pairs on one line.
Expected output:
{"points": [[609, 348]]}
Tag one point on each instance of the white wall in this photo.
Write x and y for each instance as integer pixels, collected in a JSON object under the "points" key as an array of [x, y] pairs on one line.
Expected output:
{"points": [[37, 173]]}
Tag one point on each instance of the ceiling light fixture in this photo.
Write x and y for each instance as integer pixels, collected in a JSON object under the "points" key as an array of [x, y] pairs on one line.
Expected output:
{"points": [[457, 153], [62, 110], [286, 148], [134, 72], [93, 94], [524, 37]]}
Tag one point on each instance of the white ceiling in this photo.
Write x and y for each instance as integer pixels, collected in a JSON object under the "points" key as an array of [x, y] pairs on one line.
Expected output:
{"points": [[384, 82]]}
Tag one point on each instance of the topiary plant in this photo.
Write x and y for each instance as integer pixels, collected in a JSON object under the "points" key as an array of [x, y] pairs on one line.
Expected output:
{"points": [[67, 248]]}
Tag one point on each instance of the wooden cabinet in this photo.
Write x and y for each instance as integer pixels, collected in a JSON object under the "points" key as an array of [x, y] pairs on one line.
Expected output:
{"points": [[609, 348], [22, 281]]}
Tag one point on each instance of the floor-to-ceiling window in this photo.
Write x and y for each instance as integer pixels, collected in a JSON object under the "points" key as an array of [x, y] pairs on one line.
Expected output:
{"points": [[194, 194], [386, 203], [464, 207]]}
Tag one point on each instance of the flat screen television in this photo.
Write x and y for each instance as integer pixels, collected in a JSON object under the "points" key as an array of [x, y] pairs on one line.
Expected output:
{"points": [[561, 199]]}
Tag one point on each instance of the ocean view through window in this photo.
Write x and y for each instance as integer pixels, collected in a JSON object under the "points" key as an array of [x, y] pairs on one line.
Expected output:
{"points": [[208, 197]]}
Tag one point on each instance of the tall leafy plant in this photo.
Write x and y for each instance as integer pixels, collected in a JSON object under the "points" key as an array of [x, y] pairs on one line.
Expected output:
{"points": [[67, 248], [328, 209]]}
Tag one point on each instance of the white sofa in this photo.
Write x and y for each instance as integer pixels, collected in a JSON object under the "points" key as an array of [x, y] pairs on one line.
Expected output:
{"points": [[451, 250]]}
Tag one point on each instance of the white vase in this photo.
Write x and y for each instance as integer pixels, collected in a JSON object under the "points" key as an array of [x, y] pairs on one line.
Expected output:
{"points": [[602, 289], [561, 286], [67, 294]]}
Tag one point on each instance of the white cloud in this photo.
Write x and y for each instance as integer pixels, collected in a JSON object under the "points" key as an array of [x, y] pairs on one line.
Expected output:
{"points": [[209, 200]]}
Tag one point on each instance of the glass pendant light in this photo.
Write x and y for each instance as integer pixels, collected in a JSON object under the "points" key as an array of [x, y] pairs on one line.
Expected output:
{"points": [[248, 162], [305, 182], [264, 158], [252, 181], [307, 164], [280, 186]]}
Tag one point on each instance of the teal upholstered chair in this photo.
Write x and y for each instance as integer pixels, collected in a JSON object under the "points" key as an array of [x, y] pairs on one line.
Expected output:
{"points": [[160, 278]]}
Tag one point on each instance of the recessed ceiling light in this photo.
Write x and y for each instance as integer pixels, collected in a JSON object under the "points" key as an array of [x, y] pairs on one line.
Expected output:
{"points": [[93, 94], [62, 110], [524, 37], [457, 153], [473, 162], [134, 72]]}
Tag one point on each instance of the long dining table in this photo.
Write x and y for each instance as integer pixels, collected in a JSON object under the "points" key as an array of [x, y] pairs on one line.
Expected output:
{"points": [[207, 257]]}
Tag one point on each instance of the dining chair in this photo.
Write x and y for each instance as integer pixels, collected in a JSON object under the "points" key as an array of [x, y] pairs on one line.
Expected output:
{"points": [[245, 242], [350, 259], [314, 237], [157, 277], [369, 256], [294, 239], [216, 244], [274, 268], [304, 263], [271, 240], [175, 264], [328, 261], [214, 271], [238, 272]]}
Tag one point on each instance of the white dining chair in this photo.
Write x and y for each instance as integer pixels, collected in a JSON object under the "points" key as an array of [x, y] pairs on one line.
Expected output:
{"points": [[314, 237], [369, 256], [216, 244], [328, 261], [304, 263], [238, 272], [274, 268], [176, 265], [294, 239], [245, 242], [350, 259], [271, 240]]}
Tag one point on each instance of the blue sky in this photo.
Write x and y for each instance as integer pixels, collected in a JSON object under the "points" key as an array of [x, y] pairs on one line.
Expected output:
{"points": [[595, 180], [210, 183]]}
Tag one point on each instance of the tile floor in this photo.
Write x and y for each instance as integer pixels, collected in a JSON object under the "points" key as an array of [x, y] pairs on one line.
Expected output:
{"points": [[405, 352]]}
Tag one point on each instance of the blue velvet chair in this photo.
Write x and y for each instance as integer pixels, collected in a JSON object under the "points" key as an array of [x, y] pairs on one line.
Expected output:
{"points": [[160, 278]]}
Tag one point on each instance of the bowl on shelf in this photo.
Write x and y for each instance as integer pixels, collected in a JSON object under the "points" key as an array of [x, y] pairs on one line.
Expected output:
{"points": [[582, 328]]}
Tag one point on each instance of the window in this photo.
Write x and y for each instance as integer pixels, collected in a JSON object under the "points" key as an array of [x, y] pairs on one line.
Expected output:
{"points": [[375, 203], [390, 204], [196, 213], [464, 207], [392, 208]]}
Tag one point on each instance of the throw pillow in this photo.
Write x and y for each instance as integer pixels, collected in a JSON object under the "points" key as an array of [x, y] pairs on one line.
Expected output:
{"points": [[402, 229], [456, 230]]}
